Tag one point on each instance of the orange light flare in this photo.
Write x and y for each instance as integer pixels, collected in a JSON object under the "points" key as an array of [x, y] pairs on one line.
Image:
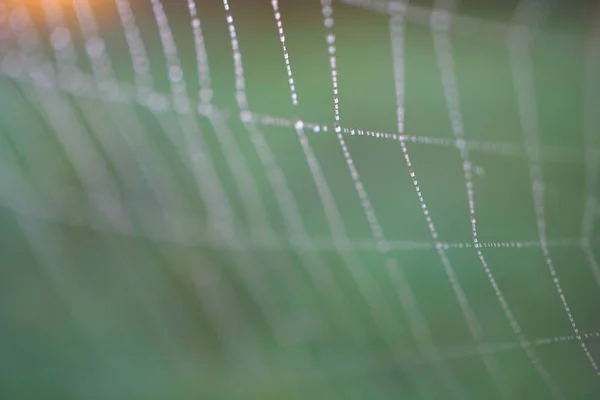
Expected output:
{"points": [[36, 8]]}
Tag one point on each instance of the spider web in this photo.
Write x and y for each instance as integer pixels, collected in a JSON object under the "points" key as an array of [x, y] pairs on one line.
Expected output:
{"points": [[362, 198]]}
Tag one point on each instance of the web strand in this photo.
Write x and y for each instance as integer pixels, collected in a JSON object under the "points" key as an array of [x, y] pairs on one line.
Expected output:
{"points": [[321, 276], [192, 149], [418, 327], [445, 59], [156, 102], [397, 39], [286, 56], [47, 244], [520, 58], [470, 318]]}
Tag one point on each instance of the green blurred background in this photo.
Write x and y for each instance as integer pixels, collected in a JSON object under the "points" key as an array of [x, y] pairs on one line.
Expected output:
{"points": [[129, 292]]}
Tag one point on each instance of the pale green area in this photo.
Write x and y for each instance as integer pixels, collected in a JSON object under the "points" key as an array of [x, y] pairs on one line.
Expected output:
{"points": [[107, 316]]}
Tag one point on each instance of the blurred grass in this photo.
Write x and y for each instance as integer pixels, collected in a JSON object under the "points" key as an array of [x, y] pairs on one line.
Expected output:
{"points": [[88, 312]]}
